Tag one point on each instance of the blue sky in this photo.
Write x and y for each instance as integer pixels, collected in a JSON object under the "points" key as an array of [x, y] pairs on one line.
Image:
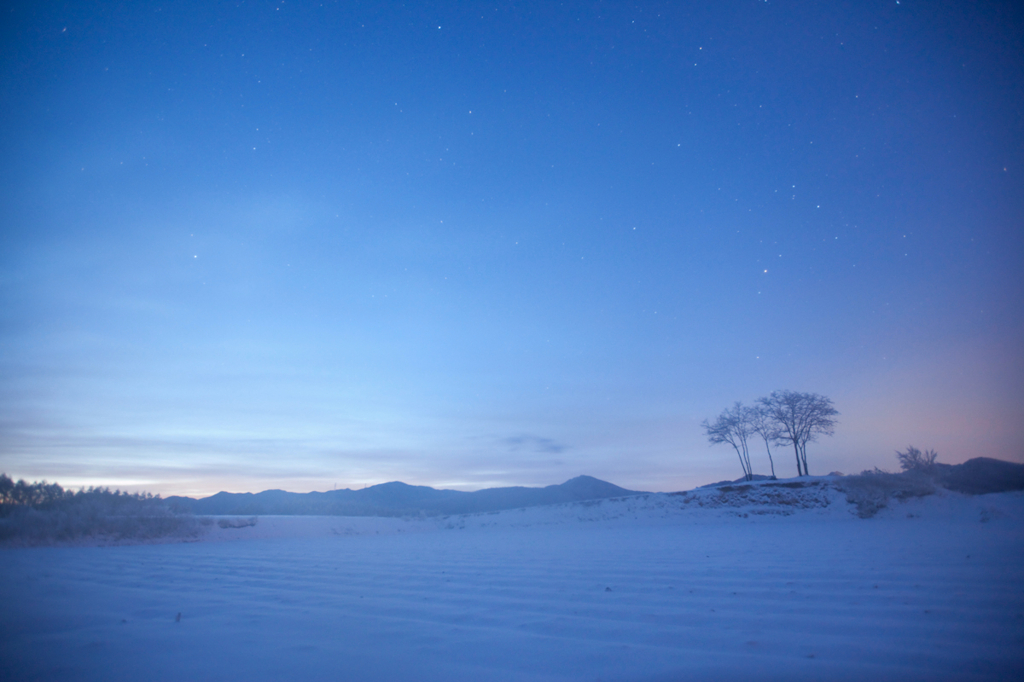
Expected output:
{"points": [[249, 245]]}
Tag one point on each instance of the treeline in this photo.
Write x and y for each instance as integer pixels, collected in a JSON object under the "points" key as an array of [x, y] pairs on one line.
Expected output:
{"points": [[41, 512], [784, 418], [41, 495]]}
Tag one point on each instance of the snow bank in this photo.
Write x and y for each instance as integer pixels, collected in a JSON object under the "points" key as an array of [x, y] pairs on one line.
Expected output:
{"points": [[755, 582], [835, 497]]}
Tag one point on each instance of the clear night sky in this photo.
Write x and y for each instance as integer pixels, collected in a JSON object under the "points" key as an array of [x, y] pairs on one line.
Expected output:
{"points": [[297, 244]]}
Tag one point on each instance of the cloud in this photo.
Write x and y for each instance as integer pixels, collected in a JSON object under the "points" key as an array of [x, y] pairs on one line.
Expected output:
{"points": [[530, 443]]}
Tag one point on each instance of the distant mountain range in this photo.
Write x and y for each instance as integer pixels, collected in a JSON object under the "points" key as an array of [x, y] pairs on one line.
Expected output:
{"points": [[398, 499]]}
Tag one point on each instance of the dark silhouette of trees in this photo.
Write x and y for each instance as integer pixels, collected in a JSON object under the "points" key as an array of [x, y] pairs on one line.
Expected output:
{"points": [[800, 419], [732, 427], [41, 512], [915, 460], [30, 494]]}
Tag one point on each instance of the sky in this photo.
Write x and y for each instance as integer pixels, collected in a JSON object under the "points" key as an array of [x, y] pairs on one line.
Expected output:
{"points": [[300, 245]]}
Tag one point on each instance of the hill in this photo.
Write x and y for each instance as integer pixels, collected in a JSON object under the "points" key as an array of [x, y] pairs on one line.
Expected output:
{"points": [[398, 499]]}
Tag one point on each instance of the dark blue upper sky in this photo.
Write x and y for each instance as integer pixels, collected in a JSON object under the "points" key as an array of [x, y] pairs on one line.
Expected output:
{"points": [[293, 244]]}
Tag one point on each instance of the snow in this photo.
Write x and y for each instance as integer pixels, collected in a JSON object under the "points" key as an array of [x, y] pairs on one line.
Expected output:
{"points": [[749, 582]]}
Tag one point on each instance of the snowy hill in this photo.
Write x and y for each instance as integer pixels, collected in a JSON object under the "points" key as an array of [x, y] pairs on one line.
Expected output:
{"points": [[869, 493], [879, 577]]}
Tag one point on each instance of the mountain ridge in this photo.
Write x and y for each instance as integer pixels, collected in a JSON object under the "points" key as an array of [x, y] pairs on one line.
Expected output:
{"points": [[396, 498]]}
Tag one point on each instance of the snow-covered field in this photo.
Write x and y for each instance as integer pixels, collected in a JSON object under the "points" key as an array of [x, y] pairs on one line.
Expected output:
{"points": [[765, 582]]}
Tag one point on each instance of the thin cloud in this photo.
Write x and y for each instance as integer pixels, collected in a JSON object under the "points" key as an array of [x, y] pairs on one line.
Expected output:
{"points": [[530, 443]]}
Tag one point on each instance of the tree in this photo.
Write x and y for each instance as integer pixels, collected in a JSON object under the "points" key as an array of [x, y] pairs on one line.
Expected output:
{"points": [[800, 419], [732, 427], [6, 489], [38, 494], [762, 424], [915, 460]]}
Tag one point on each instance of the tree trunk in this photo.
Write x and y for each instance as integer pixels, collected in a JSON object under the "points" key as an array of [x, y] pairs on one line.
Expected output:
{"points": [[796, 449], [770, 460], [743, 465]]}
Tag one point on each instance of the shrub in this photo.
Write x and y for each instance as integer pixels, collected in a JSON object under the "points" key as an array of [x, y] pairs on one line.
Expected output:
{"points": [[871, 491], [915, 460]]}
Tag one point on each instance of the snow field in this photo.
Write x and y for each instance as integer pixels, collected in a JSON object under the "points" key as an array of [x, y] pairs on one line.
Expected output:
{"points": [[648, 588]]}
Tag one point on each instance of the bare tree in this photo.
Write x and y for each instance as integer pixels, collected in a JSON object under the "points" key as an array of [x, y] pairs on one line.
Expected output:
{"points": [[732, 427], [762, 424], [914, 459], [800, 419]]}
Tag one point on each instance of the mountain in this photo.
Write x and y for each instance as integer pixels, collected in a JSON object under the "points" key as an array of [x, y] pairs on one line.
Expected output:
{"points": [[398, 499]]}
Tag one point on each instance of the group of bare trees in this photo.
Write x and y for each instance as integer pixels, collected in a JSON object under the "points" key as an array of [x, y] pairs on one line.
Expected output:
{"points": [[782, 418], [41, 512], [30, 494], [43, 495]]}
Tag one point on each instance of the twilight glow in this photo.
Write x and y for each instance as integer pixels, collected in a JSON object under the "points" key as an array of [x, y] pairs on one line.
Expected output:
{"points": [[277, 245]]}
